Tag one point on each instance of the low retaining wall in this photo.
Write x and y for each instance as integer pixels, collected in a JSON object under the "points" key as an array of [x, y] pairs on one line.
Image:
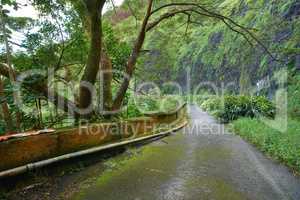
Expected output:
{"points": [[168, 117], [21, 151]]}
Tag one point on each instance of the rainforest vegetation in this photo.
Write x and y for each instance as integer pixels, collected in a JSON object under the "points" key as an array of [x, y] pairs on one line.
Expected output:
{"points": [[248, 50]]}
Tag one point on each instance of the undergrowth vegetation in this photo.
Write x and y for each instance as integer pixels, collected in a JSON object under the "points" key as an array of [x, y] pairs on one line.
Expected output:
{"points": [[281, 145], [244, 113], [230, 107], [294, 96], [136, 106], [145, 104]]}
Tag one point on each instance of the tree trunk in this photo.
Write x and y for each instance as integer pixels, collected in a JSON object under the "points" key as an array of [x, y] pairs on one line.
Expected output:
{"points": [[5, 109], [118, 101], [94, 10], [12, 75], [105, 83]]}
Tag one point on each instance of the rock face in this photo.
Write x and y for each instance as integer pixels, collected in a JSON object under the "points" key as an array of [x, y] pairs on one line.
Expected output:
{"points": [[215, 53], [215, 39], [293, 11], [297, 62]]}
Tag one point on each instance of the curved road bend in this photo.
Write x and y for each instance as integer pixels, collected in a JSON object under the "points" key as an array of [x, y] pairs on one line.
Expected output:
{"points": [[195, 165]]}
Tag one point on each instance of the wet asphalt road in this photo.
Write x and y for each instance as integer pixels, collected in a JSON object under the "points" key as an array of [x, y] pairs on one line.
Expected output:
{"points": [[199, 162]]}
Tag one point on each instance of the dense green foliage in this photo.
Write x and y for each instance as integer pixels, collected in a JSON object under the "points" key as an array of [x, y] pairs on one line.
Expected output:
{"points": [[283, 146], [213, 52], [294, 96], [57, 44], [146, 104], [58, 40], [243, 113], [187, 50], [229, 108]]}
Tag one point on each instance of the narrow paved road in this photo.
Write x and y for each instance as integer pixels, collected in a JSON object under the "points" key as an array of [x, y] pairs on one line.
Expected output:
{"points": [[200, 162]]}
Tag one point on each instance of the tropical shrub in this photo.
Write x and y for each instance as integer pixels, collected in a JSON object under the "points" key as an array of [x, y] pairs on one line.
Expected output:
{"points": [[294, 96], [141, 104], [233, 107], [211, 104]]}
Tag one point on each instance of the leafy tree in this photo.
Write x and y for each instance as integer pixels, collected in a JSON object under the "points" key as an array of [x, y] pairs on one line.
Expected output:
{"points": [[9, 24], [75, 33]]}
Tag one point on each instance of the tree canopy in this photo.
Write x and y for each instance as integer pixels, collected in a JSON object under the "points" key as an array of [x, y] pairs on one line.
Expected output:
{"points": [[84, 62]]}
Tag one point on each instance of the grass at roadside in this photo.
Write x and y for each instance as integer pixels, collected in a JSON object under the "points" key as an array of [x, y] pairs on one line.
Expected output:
{"points": [[241, 112], [281, 146]]}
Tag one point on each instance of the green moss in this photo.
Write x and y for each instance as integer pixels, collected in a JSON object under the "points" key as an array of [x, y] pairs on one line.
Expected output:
{"points": [[119, 168]]}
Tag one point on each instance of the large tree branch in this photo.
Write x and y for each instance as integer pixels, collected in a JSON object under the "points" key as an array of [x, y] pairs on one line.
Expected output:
{"points": [[186, 12], [227, 20], [164, 17], [172, 5], [133, 59], [94, 12]]}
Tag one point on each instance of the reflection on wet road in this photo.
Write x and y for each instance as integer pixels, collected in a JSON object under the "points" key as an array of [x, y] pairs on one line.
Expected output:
{"points": [[200, 162]]}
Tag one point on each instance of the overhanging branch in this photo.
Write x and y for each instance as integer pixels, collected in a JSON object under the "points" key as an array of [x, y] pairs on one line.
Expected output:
{"points": [[230, 23], [166, 16]]}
